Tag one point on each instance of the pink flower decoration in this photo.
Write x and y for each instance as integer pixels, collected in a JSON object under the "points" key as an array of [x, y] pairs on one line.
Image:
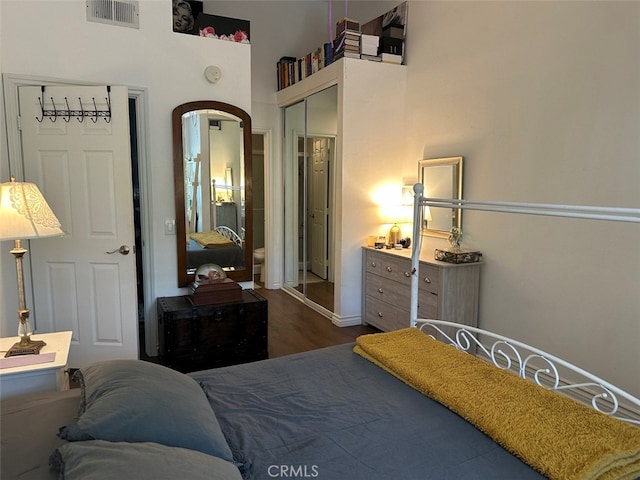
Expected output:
{"points": [[240, 36], [208, 32]]}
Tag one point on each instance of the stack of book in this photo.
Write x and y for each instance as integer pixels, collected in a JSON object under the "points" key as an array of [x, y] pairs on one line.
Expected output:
{"points": [[392, 44], [286, 69], [347, 41], [291, 69], [369, 47]]}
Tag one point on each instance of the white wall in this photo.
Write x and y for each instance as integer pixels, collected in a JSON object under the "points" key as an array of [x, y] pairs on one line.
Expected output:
{"points": [[543, 101], [53, 39]]}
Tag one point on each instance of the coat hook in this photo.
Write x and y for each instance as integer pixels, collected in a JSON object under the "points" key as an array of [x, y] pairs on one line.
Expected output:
{"points": [[108, 99], [81, 116], [41, 110], [55, 112], [95, 111], [67, 117]]}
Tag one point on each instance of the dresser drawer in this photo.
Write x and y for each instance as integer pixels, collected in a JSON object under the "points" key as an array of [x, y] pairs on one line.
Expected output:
{"points": [[429, 279], [389, 266], [385, 316], [428, 305], [388, 291]]}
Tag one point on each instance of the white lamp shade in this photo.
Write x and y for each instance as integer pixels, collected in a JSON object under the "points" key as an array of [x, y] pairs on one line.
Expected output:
{"points": [[24, 213], [396, 214]]}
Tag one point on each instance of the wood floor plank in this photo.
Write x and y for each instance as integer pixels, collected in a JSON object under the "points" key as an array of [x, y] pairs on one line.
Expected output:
{"points": [[294, 327]]}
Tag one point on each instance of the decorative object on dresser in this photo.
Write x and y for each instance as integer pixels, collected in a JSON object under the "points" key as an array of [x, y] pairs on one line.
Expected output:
{"points": [[24, 214], [212, 287], [446, 291], [455, 254], [457, 257], [194, 337]]}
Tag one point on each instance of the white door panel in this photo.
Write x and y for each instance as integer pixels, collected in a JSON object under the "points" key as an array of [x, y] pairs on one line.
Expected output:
{"points": [[84, 171], [319, 206]]}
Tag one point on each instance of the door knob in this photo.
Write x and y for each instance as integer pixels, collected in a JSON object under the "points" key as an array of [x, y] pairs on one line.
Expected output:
{"points": [[124, 250]]}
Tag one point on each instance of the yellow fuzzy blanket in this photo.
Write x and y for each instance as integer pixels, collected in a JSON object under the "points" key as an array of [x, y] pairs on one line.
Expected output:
{"points": [[552, 433], [211, 239]]}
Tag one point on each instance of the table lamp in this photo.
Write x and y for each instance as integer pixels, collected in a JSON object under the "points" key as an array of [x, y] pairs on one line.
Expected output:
{"points": [[24, 214], [396, 215]]}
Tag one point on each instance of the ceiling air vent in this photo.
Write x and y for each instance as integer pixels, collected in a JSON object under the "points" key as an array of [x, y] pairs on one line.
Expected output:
{"points": [[114, 12]]}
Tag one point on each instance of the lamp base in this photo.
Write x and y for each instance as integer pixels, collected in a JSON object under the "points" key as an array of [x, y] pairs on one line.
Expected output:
{"points": [[394, 235], [30, 347]]}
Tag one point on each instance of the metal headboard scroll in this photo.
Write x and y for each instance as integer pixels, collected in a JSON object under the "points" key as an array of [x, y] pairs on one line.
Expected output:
{"points": [[536, 365], [66, 114]]}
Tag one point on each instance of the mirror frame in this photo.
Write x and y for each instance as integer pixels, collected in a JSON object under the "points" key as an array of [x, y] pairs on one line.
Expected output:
{"points": [[456, 213], [184, 278]]}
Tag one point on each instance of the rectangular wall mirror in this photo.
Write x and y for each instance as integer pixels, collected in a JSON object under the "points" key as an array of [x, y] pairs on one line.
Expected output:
{"points": [[442, 178]]}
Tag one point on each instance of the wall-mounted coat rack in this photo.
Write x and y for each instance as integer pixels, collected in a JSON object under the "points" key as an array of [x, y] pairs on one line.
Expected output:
{"points": [[66, 114]]}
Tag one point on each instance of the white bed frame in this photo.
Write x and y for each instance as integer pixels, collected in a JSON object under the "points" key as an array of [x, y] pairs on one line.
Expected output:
{"points": [[526, 361], [229, 234]]}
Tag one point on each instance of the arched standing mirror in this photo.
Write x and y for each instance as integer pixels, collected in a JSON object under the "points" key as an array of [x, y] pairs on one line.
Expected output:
{"points": [[212, 174], [442, 178]]}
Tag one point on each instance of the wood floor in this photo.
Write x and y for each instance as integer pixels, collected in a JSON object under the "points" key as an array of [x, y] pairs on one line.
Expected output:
{"points": [[295, 327]]}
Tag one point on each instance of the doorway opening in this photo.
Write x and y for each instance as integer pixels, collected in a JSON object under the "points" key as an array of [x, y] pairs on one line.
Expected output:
{"points": [[257, 184], [137, 222]]}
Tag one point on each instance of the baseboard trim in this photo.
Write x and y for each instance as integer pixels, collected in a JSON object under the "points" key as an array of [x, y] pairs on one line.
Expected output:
{"points": [[348, 321]]}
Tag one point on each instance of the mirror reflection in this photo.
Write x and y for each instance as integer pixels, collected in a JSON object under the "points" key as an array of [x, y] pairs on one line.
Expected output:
{"points": [[212, 152], [310, 133], [442, 178]]}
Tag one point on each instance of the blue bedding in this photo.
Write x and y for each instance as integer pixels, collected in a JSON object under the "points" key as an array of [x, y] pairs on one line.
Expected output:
{"points": [[330, 414], [232, 256]]}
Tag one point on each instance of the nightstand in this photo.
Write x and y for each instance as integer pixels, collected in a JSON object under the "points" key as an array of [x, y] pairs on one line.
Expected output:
{"points": [[39, 377]]}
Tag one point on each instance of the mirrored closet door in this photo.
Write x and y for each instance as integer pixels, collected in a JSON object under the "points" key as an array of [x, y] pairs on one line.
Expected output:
{"points": [[310, 138]]}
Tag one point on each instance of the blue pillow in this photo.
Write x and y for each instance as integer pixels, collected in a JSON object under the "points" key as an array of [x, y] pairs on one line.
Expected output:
{"points": [[100, 460], [138, 401]]}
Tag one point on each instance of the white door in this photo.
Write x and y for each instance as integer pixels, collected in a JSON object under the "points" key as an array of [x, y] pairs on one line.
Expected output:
{"points": [[319, 206], [84, 171]]}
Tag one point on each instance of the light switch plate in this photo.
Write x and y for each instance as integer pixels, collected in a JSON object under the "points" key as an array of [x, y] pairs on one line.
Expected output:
{"points": [[169, 227]]}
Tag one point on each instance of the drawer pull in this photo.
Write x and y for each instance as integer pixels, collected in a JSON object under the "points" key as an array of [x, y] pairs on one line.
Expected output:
{"points": [[407, 274], [380, 315], [373, 264], [389, 269], [427, 280], [380, 290]]}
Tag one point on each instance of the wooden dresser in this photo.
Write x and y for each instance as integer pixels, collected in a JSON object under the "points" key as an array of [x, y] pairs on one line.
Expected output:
{"points": [[446, 291], [207, 336]]}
